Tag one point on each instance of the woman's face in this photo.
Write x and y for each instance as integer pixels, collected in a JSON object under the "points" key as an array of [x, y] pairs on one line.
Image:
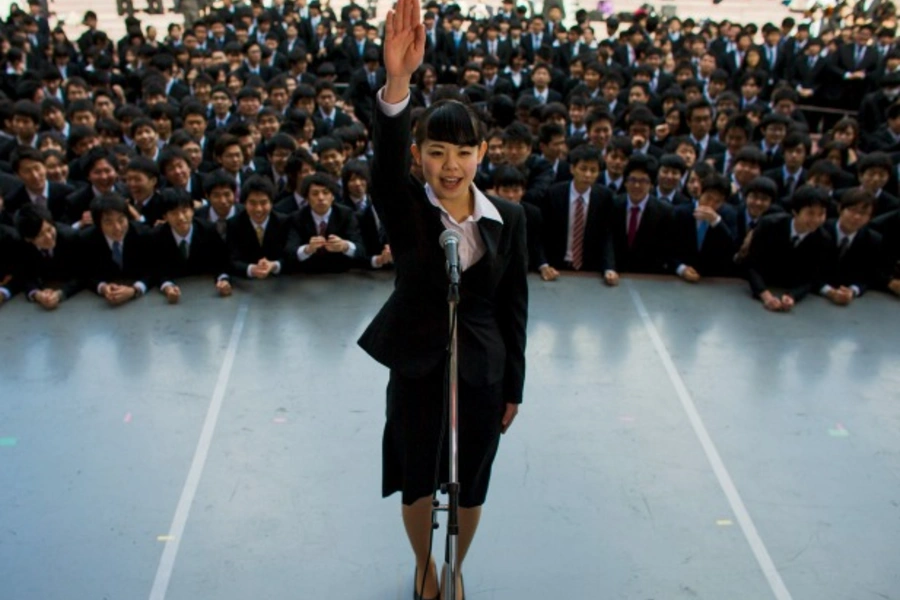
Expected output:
{"points": [[235, 84], [429, 79], [309, 129], [57, 170], [835, 157], [847, 135], [752, 58], [673, 120], [448, 168]]}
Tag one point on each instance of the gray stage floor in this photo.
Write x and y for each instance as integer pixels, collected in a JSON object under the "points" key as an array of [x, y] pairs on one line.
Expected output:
{"points": [[675, 442]]}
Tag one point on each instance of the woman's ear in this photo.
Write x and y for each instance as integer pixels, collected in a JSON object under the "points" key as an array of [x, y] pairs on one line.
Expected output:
{"points": [[482, 150], [417, 156]]}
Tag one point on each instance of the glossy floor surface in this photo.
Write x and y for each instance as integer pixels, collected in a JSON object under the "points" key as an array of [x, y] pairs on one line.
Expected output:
{"points": [[676, 441]]}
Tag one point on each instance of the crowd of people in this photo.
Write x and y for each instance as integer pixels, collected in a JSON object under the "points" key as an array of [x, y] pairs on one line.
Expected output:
{"points": [[239, 147]]}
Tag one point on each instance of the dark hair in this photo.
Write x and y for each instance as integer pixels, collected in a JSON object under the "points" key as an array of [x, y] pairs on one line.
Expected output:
{"points": [[280, 141], [875, 160], [320, 179], [25, 153], [621, 144], [806, 196], [95, 155], [173, 199], [28, 109], [673, 161], [716, 182], [762, 185], [449, 121], [171, 154], [258, 183], [144, 165], [354, 168], [584, 153], [30, 218], [851, 198], [224, 141], [825, 167], [641, 162], [109, 202], [750, 154], [795, 140], [509, 176], [548, 131], [218, 178]]}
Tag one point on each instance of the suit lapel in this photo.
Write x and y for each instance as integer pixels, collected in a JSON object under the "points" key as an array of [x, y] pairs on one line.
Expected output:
{"points": [[490, 234]]}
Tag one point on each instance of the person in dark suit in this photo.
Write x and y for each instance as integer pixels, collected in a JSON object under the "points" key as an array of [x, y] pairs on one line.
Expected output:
{"points": [[141, 178], [185, 246], [886, 137], [509, 184], [517, 145], [28, 165], [356, 184], [873, 110], [364, 82], [792, 174], [855, 262], [253, 64], [790, 252], [116, 256], [670, 174], [331, 117], [703, 244], [102, 175], [874, 171], [323, 236], [576, 218], [888, 226], [50, 270], [256, 238], [855, 65], [354, 49], [219, 188], [759, 201], [699, 116], [410, 333], [640, 224], [10, 263]]}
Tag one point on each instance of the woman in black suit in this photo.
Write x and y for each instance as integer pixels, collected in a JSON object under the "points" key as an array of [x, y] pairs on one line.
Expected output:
{"points": [[411, 332]]}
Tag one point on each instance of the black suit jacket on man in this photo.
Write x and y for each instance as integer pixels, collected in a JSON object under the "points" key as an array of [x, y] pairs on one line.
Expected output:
{"points": [[651, 252], [371, 230], [410, 332], [57, 203], [597, 247], [773, 260], [714, 258], [888, 225], [99, 266], [243, 245], [342, 222], [10, 263], [361, 94], [207, 253], [862, 264], [60, 270]]}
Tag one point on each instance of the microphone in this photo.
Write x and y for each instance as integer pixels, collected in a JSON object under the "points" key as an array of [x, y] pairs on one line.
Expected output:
{"points": [[449, 241]]}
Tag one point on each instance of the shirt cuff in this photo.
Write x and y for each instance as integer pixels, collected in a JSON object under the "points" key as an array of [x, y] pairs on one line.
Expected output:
{"points": [[141, 287], [100, 287], [680, 270], [716, 222], [249, 272], [374, 262], [5, 293], [351, 249], [391, 110], [223, 277], [277, 269], [609, 272], [825, 289], [165, 285], [855, 290], [302, 253]]}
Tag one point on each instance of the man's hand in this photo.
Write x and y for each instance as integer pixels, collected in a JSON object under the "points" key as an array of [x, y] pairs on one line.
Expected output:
{"points": [[385, 258], [787, 302], [260, 270], [662, 131], [705, 213], [894, 286], [117, 294], [548, 273], [172, 294], [690, 275], [223, 286], [509, 416], [771, 302], [336, 244], [611, 278], [49, 299], [316, 243], [86, 219], [841, 296]]}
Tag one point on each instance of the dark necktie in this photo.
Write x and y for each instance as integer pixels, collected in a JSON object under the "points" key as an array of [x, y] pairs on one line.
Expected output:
{"points": [[844, 246], [323, 226], [117, 254], [183, 248], [221, 227], [790, 183], [578, 235], [795, 240], [702, 228], [633, 224], [751, 224]]}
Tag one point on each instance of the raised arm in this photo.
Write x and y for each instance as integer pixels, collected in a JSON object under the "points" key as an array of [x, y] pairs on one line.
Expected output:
{"points": [[404, 48]]}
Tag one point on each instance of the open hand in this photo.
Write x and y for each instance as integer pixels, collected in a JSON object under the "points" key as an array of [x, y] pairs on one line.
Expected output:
{"points": [[404, 42]]}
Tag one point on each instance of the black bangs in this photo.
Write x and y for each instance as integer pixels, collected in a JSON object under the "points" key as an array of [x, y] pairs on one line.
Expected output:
{"points": [[451, 122]]}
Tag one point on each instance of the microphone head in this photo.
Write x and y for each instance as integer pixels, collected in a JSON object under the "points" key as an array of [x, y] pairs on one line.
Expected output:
{"points": [[449, 236]]}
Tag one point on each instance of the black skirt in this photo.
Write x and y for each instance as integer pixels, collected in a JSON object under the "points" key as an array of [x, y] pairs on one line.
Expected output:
{"points": [[414, 416]]}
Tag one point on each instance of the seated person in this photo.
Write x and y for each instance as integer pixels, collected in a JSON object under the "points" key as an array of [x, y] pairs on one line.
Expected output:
{"points": [[509, 184], [324, 236], [175, 166], [889, 227], [219, 187], [115, 250], [10, 246], [517, 146], [825, 175], [856, 261], [185, 246], [748, 165], [791, 175], [100, 168], [759, 200], [355, 183], [576, 218], [50, 257], [617, 154], [300, 164], [639, 224], [874, 172], [141, 178], [702, 243], [28, 165], [672, 169], [789, 251], [257, 236]]}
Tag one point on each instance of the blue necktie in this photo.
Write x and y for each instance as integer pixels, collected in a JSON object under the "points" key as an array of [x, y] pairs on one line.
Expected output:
{"points": [[702, 228], [117, 254]]}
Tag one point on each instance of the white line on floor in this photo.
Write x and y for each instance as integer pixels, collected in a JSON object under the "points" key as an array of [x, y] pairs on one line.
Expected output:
{"points": [[176, 531], [712, 454]]}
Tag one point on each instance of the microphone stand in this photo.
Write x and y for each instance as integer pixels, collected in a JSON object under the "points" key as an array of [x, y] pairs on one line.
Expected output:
{"points": [[451, 488]]}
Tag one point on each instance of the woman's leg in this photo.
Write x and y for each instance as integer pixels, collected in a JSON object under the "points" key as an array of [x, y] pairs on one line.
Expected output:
{"points": [[417, 520], [468, 525]]}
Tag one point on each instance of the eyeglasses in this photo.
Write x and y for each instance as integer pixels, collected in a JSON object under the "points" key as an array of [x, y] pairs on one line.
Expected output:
{"points": [[638, 180]]}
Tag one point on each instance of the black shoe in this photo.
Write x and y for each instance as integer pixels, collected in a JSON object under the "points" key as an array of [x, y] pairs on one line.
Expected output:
{"points": [[416, 595]]}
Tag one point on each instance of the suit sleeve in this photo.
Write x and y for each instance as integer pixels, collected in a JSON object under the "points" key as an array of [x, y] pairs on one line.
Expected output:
{"points": [[512, 310], [755, 257]]}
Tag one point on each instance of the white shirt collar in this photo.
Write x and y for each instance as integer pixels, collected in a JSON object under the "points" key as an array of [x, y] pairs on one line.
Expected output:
{"points": [[319, 219], [841, 235], [642, 204], [187, 238], [45, 193], [214, 216], [575, 194], [795, 234], [483, 207]]}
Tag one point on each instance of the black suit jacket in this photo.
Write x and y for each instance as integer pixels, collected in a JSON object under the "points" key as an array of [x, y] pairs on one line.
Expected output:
{"points": [[777, 175], [411, 331], [862, 265], [60, 271], [774, 261], [207, 253], [243, 245], [534, 233], [362, 95], [56, 202], [10, 263], [99, 266], [651, 252], [714, 258], [371, 230], [342, 222], [888, 225], [597, 242]]}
